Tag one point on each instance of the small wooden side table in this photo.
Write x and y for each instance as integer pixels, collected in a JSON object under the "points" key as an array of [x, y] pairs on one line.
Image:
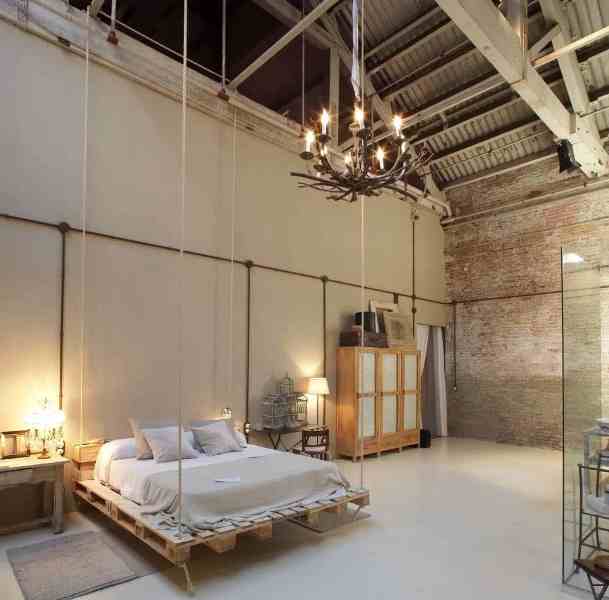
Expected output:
{"points": [[31, 470], [275, 436]]}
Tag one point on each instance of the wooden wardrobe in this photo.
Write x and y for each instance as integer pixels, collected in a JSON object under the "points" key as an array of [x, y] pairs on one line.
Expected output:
{"points": [[386, 384]]}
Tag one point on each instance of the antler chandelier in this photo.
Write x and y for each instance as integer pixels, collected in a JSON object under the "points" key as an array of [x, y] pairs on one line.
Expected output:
{"points": [[368, 168], [363, 170]]}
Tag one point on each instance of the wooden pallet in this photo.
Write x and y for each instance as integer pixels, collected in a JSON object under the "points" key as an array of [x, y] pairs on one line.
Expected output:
{"points": [[176, 548]]}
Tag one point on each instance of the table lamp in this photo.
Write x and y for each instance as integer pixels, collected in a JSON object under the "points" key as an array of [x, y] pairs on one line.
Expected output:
{"points": [[318, 386], [46, 423]]}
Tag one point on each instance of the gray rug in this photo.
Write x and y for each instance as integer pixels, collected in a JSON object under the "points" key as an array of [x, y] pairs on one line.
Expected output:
{"points": [[74, 565]]}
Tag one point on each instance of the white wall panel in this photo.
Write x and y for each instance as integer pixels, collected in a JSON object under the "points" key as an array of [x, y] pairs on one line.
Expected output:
{"points": [[287, 332], [30, 263]]}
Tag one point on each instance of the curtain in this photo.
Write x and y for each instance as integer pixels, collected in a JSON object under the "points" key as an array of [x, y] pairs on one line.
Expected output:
{"points": [[422, 334], [439, 376]]}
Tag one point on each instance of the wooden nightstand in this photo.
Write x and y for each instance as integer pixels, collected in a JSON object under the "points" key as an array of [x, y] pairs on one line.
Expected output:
{"points": [[31, 470], [83, 459]]}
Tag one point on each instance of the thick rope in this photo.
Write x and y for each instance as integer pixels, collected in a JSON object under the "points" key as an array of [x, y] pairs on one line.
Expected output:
{"points": [[363, 65], [83, 229], [181, 265], [302, 75], [362, 321], [363, 254], [223, 44], [232, 262]]}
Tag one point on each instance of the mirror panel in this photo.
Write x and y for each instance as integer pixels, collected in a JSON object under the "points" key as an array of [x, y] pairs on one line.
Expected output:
{"points": [[390, 372], [366, 373], [410, 371], [410, 411], [368, 417], [390, 413]]}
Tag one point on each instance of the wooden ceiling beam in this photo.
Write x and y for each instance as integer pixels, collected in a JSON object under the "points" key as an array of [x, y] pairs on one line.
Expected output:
{"points": [[492, 34], [282, 42]]}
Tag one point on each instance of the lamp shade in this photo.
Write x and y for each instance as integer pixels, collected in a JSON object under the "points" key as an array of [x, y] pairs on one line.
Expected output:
{"points": [[318, 386], [46, 418]]}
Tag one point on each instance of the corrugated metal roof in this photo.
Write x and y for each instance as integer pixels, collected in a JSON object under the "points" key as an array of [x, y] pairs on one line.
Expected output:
{"points": [[385, 17], [500, 128]]}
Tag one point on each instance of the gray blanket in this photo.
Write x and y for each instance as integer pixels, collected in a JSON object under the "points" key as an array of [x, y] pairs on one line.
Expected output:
{"points": [[259, 486]]}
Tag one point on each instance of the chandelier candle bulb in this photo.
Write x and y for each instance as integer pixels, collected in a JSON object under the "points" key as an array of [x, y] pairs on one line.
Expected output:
{"points": [[309, 139], [325, 119], [380, 156], [397, 124], [358, 117]]}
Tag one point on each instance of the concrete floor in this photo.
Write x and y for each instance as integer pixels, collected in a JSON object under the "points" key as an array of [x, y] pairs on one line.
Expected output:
{"points": [[465, 519]]}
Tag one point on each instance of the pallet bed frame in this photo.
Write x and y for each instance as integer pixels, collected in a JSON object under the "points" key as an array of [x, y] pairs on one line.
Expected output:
{"points": [[176, 548]]}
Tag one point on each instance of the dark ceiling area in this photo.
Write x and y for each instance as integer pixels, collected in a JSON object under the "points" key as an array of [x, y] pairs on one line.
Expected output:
{"points": [[250, 31]]}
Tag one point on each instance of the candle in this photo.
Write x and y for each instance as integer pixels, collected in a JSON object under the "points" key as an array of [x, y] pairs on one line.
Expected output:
{"points": [[380, 156], [325, 119], [309, 139], [397, 124], [358, 116]]}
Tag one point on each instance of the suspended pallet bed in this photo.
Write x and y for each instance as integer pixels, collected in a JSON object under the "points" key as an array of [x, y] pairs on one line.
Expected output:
{"points": [[176, 548]]}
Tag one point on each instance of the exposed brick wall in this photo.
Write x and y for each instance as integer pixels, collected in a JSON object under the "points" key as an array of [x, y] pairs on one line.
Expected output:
{"points": [[509, 350]]}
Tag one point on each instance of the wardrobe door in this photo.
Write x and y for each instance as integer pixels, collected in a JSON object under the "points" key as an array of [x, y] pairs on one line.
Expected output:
{"points": [[367, 425], [410, 391], [367, 373], [389, 366]]}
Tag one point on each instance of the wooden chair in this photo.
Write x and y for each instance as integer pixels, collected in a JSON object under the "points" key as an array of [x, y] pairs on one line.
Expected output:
{"points": [[315, 442]]}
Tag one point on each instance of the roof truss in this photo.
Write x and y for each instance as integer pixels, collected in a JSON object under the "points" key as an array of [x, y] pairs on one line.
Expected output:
{"points": [[487, 28]]}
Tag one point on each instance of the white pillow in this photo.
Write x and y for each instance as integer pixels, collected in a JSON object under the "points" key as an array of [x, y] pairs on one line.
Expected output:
{"points": [[231, 426], [216, 438], [164, 444], [241, 439], [144, 451], [114, 450]]}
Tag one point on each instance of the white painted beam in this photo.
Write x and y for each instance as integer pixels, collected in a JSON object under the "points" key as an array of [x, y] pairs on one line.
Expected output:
{"points": [[281, 43], [289, 15], [569, 65], [488, 29], [544, 40], [469, 93], [571, 47]]}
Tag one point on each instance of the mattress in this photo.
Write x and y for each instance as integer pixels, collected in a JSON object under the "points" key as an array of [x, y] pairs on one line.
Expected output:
{"points": [[129, 476], [228, 489]]}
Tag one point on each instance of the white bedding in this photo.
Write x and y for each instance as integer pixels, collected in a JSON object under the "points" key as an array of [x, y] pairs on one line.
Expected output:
{"points": [[128, 476]]}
